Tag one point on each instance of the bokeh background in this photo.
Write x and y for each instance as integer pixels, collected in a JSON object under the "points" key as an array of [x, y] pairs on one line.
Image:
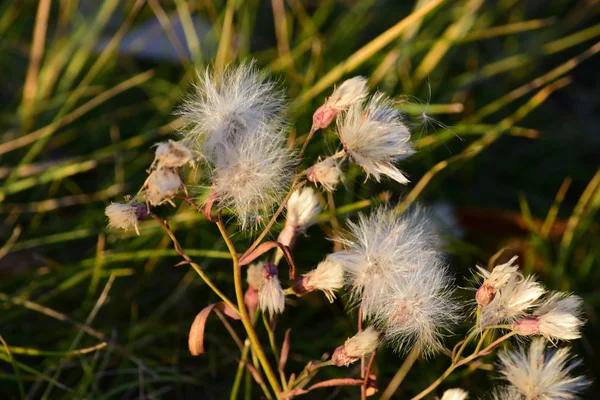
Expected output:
{"points": [[504, 98]]}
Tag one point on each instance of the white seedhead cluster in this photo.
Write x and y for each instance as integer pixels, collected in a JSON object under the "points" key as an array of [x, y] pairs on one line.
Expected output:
{"points": [[389, 263]]}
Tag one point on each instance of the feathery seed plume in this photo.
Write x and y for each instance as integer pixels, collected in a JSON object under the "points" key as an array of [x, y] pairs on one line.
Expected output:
{"points": [[495, 280], [326, 172], [351, 91], [327, 277], [363, 343], [270, 294], [126, 215]]}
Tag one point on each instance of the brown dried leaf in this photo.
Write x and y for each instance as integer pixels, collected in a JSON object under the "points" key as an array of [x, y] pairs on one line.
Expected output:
{"points": [[196, 337]]}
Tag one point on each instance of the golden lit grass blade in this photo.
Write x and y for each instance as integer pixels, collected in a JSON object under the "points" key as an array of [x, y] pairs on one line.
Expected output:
{"points": [[83, 46], [473, 129], [9, 352], [553, 212], [6, 247], [8, 14], [281, 33], [35, 59], [191, 37], [578, 212], [508, 29], [45, 353], [49, 205], [365, 52], [75, 114], [479, 145], [534, 84], [452, 34], [165, 23], [226, 39], [520, 60], [432, 109]]}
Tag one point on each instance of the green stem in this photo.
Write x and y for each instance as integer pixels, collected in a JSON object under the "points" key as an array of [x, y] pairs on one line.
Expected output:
{"points": [[239, 294]]}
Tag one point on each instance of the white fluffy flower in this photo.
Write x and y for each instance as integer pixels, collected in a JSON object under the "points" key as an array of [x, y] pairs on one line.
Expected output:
{"points": [[375, 137], [229, 105], [363, 343], [540, 375], [255, 275], [271, 298], [302, 208], [351, 91], [418, 310], [253, 176], [558, 317], [172, 154], [125, 215], [455, 394], [496, 280], [512, 301], [327, 277], [161, 185], [326, 172], [380, 246]]}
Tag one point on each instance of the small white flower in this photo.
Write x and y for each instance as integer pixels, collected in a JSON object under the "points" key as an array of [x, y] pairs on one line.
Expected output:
{"points": [[252, 177], [496, 280], [537, 374], [229, 105], [161, 185], [558, 317], [512, 302], [125, 215], [375, 137], [455, 394], [302, 208], [326, 172], [271, 297], [172, 154], [363, 343], [327, 277], [351, 91]]}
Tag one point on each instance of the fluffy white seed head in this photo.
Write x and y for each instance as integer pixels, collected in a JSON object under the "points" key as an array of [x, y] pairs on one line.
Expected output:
{"points": [[506, 393], [496, 280], [228, 105], [252, 177], [455, 394], [375, 137], [161, 185], [351, 91], [363, 343], [419, 310], [172, 154], [512, 301], [327, 277], [537, 374], [271, 297], [380, 246], [125, 215], [302, 208], [326, 172]]}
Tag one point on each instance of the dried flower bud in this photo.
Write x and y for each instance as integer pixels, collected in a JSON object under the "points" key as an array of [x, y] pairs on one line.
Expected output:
{"points": [[172, 154], [270, 295], [327, 277], [326, 172], [496, 280], [161, 185], [362, 343], [251, 300], [349, 92], [527, 326], [126, 215]]}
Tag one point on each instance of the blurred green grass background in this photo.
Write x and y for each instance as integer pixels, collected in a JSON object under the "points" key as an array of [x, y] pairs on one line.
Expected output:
{"points": [[88, 87]]}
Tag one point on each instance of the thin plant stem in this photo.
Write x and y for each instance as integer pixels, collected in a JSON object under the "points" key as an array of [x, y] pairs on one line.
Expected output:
{"points": [[274, 349], [196, 267], [239, 294], [401, 374], [464, 361], [240, 371]]}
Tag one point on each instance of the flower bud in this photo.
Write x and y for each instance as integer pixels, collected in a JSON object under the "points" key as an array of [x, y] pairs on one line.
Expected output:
{"points": [[161, 185], [484, 295], [363, 343], [527, 326], [326, 172], [327, 277], [172, 154], [126, 215]]}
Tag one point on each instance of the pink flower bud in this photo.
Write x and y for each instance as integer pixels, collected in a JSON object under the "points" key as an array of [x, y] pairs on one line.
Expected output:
{"points": [[527, 326], [323, 117], [484, 295]]}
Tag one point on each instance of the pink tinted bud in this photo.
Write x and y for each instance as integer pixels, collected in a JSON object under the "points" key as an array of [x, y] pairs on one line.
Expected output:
{"points": [[527, 326], [301, 285], [141, 211], [341, 359], [287, 237], [484, 295], [323, 117], [251, 300]]}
